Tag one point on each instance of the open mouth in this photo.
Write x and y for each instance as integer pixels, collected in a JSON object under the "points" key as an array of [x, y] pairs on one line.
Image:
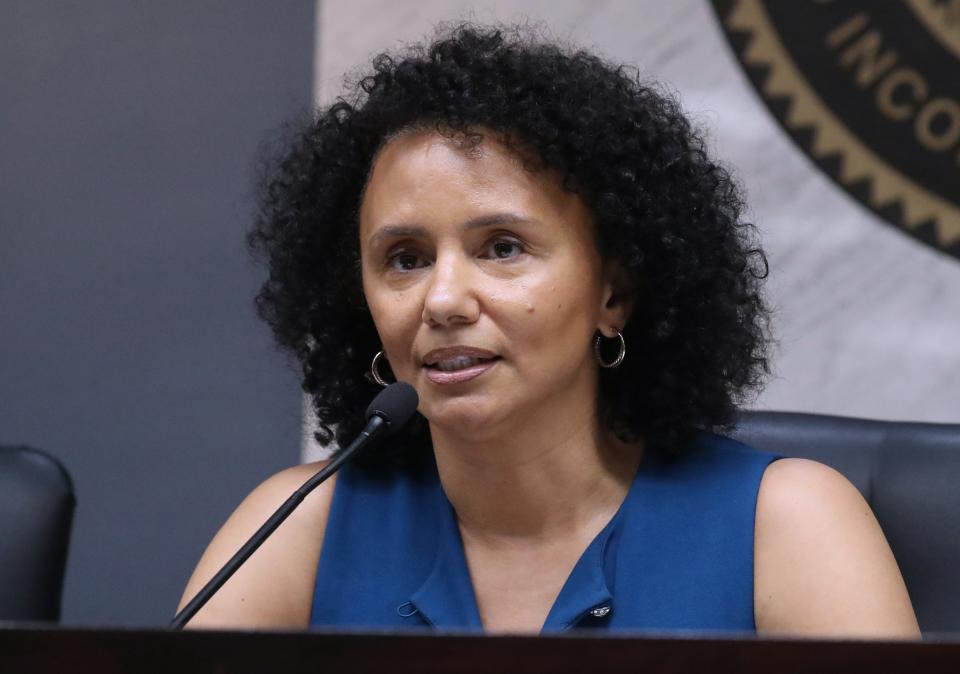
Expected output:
{"points": [[459, 369], [459, 363]]}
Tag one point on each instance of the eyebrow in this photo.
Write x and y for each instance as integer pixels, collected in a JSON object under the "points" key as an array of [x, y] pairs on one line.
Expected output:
{"points": [[491, 220]]}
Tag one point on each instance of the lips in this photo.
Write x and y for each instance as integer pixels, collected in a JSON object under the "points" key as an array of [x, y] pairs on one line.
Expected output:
{"points": [[449, 357], [457, 364]]}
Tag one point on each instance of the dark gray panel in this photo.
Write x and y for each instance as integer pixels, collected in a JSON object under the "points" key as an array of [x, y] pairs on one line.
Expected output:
{"points": [[128, 343]]}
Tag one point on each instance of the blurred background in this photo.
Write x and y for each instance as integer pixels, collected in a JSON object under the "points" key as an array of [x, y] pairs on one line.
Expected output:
{"points": [[129, 134]]}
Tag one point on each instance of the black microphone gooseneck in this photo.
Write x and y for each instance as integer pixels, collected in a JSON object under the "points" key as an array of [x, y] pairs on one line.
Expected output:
{"points": [[390, 410]]}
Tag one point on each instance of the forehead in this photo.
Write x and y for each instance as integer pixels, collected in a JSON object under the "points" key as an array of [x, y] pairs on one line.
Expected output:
{"points": [[421, 175]]}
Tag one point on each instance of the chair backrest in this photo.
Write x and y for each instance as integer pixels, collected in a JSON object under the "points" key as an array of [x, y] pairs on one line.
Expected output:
{"points": [[908, 472], [36, 512]]}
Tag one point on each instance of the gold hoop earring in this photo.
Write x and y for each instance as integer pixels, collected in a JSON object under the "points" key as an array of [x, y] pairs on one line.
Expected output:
{"points": [[376, 373], [620, 355]]}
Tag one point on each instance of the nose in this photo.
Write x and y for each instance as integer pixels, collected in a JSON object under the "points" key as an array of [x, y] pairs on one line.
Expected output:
{"points": [[451, 297]]}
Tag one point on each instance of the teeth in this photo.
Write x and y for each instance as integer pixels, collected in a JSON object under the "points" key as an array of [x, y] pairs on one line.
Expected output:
{"points": [[457, 363]]}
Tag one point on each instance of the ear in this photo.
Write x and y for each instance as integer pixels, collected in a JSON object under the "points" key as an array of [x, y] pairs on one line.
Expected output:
{"points": [[619, 297]]}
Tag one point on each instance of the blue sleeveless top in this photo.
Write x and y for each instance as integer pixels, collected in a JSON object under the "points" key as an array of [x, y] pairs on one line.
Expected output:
{"points": [[677, 555]]}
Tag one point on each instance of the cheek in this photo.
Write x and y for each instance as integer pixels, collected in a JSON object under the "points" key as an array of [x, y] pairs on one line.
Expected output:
{"points": [[555, 317], [396, 322]]}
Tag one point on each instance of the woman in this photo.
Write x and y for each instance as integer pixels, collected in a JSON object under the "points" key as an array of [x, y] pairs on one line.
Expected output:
{"points": [[539, 244]]}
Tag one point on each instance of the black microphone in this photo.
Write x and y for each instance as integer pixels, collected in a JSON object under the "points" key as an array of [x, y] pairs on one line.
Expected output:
{"points": [[388, 412]]}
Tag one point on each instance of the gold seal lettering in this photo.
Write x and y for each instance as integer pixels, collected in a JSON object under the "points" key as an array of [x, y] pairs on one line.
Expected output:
{"points": [[865, 54], [923, 125], [847, 29], [900, 78]]}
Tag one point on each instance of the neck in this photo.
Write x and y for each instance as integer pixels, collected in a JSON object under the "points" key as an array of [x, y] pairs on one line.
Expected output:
{"points": [[541, 479]]}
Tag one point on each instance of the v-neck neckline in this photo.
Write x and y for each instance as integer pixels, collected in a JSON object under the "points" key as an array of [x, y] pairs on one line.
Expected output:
{"points": [[447, 598]]}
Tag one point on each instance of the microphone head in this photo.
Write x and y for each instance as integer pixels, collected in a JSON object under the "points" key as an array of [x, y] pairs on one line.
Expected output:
{"points": [[395, 405]]}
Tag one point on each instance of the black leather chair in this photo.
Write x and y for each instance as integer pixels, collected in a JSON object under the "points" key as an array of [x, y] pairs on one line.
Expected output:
{"points": [[908, 472], [36, 512]]}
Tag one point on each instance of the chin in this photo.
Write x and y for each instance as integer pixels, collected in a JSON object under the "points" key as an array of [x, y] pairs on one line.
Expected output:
{"points": [[465, 415]]}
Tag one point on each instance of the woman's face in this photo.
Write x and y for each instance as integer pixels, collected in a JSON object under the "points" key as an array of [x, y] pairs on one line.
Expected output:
{"points": [[484, 282]]}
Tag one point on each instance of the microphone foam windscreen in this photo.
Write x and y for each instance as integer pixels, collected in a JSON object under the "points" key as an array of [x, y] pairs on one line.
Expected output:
{"points": [[395, 405]]}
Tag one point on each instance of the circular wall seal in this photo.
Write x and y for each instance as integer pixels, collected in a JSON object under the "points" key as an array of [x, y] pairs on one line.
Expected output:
{"points": [[871, 92]]}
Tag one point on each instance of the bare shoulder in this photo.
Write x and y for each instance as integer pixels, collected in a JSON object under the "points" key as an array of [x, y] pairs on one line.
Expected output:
{"points": [[274, 588], [822, 565]]}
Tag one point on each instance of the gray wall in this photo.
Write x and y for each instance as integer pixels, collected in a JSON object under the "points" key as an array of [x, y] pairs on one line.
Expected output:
{"points": [[128, 343]]}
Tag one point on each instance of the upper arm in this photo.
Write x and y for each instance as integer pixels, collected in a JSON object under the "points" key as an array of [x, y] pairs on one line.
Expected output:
{"points": [[822, 565], [274, 587]]}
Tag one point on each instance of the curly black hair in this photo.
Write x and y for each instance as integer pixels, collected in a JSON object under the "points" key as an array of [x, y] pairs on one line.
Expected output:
{"points": [[698, 339]]}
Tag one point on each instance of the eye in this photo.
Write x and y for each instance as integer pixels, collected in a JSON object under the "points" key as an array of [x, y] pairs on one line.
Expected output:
{"points": [[504, 249], [404, 260]]}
